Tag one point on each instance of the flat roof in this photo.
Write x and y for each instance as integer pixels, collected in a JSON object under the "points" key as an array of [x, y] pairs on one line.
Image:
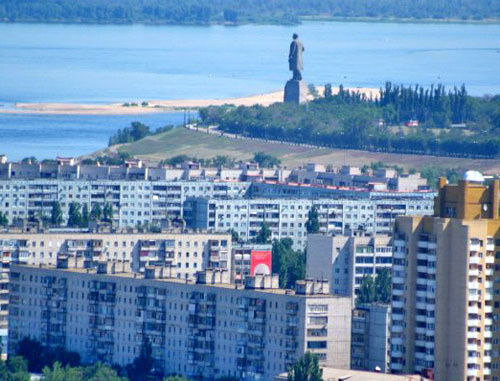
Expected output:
{"points": [[335, 374], [140, 276]]}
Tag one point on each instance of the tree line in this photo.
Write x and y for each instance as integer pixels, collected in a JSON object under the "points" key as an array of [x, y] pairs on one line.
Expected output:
{"points": [[60, 364], [136, 131], [263, 159], [57, 364], [451, 123], [236, 12]]}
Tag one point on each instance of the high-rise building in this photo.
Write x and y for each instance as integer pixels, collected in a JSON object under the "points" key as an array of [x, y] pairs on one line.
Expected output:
{"points": [[445, 298]]}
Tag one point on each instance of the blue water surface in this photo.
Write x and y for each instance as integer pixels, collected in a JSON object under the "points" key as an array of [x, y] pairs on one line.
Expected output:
{"points": [[48, 136], [117, 63]]}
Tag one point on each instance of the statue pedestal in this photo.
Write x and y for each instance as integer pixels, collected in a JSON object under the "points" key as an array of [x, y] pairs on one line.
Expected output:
{"points": [[296, 92]]}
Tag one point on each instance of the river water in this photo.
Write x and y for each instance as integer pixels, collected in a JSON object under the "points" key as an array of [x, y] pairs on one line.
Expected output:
{"points": [[115, 63]]}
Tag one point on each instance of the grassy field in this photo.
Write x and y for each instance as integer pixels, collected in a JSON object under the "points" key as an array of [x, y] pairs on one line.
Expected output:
{"points": [[180, 141]]}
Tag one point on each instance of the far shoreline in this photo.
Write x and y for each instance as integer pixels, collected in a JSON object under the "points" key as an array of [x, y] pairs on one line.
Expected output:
{"points": [[159, 106], [301, 19]]}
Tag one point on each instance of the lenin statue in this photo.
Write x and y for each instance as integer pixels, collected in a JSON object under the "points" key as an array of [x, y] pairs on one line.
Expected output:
{"points": [[295, 62], [296, 90]]}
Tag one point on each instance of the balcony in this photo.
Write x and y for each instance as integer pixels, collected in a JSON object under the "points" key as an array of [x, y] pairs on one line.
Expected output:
{"points": [[422, 256], [474, 247], [397, 328], [423, 244], [398, 268], [472, 347], [474, 260], [396, 353], [397, 304], [398, 292], [398, 280], [473, 372], [396, 366], [399, 242], [397, 340], [422, 281], [399, 254], [473, 309]]}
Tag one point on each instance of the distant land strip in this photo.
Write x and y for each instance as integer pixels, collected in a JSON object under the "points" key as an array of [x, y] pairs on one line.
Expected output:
{"points": [[202, 12], [157, 106]]}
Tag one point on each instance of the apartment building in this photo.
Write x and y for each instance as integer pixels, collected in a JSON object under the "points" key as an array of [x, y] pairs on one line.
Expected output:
{"points": [[207, 329], [445, 285], [317, 174], [370, 338], [273, 189], [349, 176], [287, 217], [134, 202], [183, 253], [178, 255], [345, 260]]}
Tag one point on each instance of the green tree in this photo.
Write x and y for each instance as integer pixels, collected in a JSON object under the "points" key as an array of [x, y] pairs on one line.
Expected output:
{"points": [[4, 221], [313, 91], [31, 350], [85, 215], [222, 161], [140, 369], [328, 93], [265, 160], [29, 160], [288, 263], [383, 286], [176, 160], [75, 217], [58, 373], [366, 290], [108, 212], [312, 223], [100, 372], [96, 212], [136, 131], [175, 378], [14, 369], [264, 234], [235, 238], [306, 368], [56, 216]]}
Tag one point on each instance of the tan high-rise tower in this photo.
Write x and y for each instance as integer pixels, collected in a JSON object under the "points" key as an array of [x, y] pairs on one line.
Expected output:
{"points": [[445, 298]]}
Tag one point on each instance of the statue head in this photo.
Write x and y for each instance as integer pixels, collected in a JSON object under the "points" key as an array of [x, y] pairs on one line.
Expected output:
{"points": [[295, 36]]}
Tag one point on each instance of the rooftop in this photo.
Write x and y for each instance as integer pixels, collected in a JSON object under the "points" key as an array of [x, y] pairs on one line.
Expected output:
{"points": [[333, 374], [140, 276]]}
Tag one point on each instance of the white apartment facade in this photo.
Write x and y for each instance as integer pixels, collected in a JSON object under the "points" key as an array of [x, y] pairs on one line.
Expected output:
{"points": [[197, 330], [134, 203], [286, 218], [185, 253]]}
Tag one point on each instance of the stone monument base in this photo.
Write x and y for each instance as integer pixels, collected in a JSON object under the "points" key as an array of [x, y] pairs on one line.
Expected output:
{"points": [[296, 92]]}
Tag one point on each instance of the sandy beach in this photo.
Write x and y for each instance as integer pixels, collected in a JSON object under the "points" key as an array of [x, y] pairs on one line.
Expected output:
{"points": [[155, 105]]}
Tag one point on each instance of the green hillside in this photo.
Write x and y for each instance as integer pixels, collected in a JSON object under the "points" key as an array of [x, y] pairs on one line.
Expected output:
{"points": [[180, 141]]}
